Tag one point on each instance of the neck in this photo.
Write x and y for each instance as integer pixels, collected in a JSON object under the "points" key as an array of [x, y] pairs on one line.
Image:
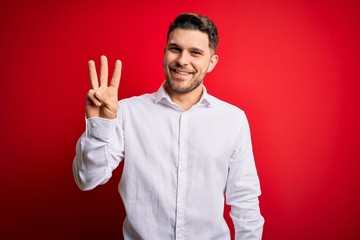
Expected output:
{"points": [[186, 100]]}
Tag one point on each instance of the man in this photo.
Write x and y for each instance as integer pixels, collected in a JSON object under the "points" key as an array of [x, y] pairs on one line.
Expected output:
{"points": [[185, 151]]}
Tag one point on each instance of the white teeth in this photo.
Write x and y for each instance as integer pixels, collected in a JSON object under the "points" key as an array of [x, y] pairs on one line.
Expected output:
{"points": [[182, 73]]}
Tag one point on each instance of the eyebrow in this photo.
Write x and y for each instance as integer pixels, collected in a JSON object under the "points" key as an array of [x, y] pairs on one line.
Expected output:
{"points": [[173, 45], [191, 48]]}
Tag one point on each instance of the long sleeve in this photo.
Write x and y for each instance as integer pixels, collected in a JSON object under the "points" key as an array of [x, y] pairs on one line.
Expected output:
{"points": [[98, 152], [170, 156], [243, 189]]}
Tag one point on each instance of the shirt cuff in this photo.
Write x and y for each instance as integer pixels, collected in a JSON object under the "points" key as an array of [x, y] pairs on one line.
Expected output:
{"points": [[101, 128]]}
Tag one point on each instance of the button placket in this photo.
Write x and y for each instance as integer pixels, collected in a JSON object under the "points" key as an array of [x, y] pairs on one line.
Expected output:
{"points": [[182, 175]]}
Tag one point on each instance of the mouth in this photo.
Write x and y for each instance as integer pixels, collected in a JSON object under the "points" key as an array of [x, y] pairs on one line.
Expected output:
{"points": [[181, 72]]}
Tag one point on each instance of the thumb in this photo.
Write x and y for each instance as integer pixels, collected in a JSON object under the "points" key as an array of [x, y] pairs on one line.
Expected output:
{"points": [[98, 96], [98, 93], [104, 98]]}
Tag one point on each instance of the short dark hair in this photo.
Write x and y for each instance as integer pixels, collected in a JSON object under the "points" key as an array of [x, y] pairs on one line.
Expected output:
{"points": [[192, 21]]}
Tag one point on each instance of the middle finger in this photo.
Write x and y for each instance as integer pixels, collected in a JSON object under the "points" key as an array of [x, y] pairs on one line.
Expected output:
{"points": [[103, 71]]}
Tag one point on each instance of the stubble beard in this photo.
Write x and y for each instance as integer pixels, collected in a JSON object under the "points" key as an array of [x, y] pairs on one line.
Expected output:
{"points": [[175, 85], [182, 90]]}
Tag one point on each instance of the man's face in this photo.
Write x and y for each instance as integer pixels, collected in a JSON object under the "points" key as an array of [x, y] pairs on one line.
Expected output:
{"points": [[187, 59]]}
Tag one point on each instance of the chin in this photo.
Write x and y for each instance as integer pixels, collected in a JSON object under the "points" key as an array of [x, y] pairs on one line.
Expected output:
{"points": [[181, 87]]}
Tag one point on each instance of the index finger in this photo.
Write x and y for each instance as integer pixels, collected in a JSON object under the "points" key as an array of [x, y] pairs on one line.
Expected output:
{"points": [[115, 80], [94, 83]]}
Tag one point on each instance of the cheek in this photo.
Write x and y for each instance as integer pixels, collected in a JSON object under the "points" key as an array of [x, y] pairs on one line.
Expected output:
{"points": [[201, 66], [169, 58], [166, 59]]}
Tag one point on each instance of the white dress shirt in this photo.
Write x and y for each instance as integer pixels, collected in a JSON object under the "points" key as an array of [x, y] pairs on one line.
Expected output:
{"points": [[179, 167]]}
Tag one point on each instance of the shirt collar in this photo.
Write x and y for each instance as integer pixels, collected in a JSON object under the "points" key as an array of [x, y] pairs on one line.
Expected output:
{"points": [[162, 96]]}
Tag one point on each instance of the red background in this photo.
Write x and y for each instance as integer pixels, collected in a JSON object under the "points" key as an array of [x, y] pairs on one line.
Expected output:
{"points": [[293, 66]]}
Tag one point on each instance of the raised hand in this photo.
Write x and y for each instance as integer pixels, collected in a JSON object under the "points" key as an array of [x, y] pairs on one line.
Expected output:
{"points": [[102, 100]]}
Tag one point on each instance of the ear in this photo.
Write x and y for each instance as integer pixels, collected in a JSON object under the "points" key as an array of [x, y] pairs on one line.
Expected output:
{"points": [[213, 61]]}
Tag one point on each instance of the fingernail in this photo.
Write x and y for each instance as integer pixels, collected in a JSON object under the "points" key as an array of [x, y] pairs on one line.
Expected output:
{"points": [[98, 93]]}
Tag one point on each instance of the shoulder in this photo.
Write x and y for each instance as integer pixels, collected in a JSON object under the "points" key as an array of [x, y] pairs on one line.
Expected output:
{"points": [[141, 99], [136, 105], [225, 107]]}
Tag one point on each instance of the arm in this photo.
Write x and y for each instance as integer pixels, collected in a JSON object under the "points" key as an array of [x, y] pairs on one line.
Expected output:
{"points": [[243, 189], [100, 149], [98, 152]]}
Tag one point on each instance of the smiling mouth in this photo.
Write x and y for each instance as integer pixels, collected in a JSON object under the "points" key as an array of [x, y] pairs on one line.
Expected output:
{"points": [[179, 72]]}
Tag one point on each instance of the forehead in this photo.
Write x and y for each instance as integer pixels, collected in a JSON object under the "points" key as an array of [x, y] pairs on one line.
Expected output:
{"points": [[189, 38]]}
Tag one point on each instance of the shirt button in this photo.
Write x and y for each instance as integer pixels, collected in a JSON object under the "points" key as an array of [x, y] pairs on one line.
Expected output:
{"points": [[94, 125]]}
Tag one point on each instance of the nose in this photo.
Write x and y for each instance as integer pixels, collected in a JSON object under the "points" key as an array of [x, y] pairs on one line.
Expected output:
{"points": [[183, 59]]}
